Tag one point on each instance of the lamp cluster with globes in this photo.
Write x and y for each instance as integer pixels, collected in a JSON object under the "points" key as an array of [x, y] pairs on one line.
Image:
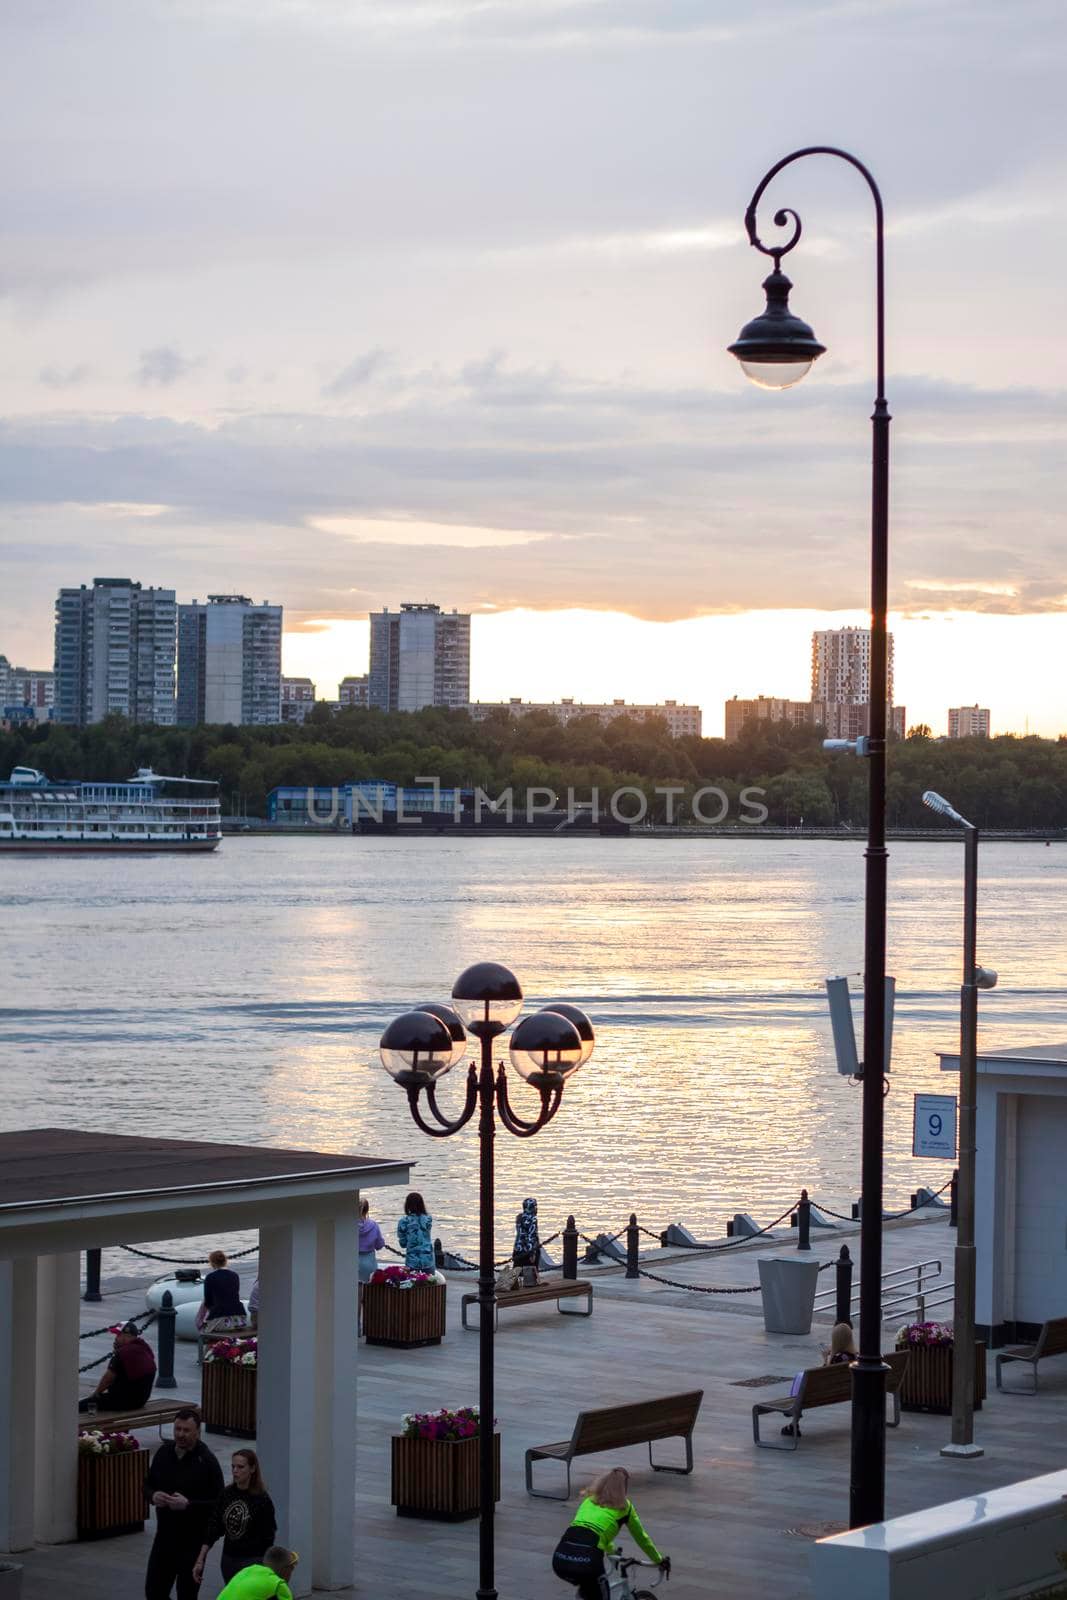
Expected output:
{"points": [[546, 1048]]}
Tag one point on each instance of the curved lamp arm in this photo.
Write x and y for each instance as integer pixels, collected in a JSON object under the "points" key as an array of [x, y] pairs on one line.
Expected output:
{"points": [[444, 1125], [785, 214], [550, 1101]]}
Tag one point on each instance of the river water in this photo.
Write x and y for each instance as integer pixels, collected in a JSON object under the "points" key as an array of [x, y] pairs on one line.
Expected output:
{"points": [[241, 996]]}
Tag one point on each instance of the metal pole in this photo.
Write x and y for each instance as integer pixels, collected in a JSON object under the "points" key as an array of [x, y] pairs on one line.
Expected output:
{"points": [[964, 1298], [843, 1275], [486, 1318], [92, 1276], [867, 1479], [570, 1249], [633, 1247], [804, 1222], [166, 1319]]}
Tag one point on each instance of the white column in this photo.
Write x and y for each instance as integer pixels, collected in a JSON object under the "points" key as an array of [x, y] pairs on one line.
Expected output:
{"points": [[58, 1355], [285, 1389], [335, 1403], [18, 1360]]}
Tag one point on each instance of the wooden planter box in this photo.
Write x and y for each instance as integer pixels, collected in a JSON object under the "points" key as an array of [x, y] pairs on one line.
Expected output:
{"points": [[111, 1493], [404, 1317], [927, 1382], [228, 1399], [438, 1478]]}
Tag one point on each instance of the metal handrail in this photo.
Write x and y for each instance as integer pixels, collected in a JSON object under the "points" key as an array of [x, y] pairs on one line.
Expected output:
{"points": [[827, 1297]]}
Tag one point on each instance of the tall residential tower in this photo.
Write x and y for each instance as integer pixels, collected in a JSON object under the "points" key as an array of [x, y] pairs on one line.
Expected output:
{"points": [[229, 661], [114, 653], [419, 656]]}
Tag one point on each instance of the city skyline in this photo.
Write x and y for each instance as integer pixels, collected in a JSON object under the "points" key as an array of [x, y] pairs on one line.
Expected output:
{"points": [[309, 356]]}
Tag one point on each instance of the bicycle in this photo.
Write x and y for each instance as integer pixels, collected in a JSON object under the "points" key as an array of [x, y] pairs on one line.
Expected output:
{"points": [[616, 1580]]}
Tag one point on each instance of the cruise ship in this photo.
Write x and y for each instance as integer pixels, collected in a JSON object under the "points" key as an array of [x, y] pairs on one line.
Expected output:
{"points": [[149, 813]]}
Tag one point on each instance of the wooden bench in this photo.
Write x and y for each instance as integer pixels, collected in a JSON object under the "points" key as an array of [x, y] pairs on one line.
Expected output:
{"points": [[1051, 1341], [671, 1416], [154, 1413], [559, 1289], [825, 1386]]}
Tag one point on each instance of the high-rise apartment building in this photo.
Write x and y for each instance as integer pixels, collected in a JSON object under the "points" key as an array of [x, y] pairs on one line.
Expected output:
{"points": [[968, 722], [229, 661], [353, 691], [419, 656], [114, 653], [841, 666]]}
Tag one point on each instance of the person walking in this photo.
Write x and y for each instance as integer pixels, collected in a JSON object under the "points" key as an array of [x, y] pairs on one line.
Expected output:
{"points": [[268, 1580], [242, 1517], [183, 1483], [128, 1377], [223, 1308], [606, 1508], [413, 1231], [370, 1242]]}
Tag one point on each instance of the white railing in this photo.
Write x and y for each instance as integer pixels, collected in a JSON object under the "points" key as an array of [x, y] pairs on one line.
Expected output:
{"points": [[907, 1292]]}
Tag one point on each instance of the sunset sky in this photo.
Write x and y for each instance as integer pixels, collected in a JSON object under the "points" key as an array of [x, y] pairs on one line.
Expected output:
{"points": [[341, 303]]}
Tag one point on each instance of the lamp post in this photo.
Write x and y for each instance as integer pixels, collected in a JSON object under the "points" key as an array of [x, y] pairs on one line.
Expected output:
{"points": [[775, 350], [974, 978], [547, 1046]]}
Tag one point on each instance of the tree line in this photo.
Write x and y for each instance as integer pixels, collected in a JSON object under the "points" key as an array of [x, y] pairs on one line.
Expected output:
{"points": [[1007, 782]]}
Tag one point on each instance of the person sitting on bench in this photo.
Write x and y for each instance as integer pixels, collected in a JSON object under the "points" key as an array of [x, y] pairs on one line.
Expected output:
{"points": [[128, 1377]]}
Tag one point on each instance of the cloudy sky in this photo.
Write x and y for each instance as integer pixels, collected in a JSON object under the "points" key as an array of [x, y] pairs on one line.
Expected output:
{"points": [[341, 303]]}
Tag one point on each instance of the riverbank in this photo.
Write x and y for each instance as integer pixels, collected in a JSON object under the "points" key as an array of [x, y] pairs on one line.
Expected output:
{"points": [[418, 829]]}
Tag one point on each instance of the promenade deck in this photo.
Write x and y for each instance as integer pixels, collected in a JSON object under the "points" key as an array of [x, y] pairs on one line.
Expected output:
{"points": [[738, 1528]]}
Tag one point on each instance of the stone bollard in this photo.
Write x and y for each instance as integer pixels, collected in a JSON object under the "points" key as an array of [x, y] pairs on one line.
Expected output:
{"points": [[166, 1317], [570, 1249], [633, 1244], [804, 1222], [843, 1273], [92, 1276]]}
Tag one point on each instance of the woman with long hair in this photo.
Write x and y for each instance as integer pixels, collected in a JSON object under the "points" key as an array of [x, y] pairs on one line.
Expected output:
{"points": [[370, 1242], [606, 1508], [242, 1517], [414, 1234], [842, 1346]]}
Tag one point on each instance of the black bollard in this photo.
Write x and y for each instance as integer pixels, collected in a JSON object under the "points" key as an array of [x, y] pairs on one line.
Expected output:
{"points": [[166, 1318], [570, 1249], [92, 1276], [730, 1229], [843, 1312], [855, 1210], [632, 1247], [953, 1198], [438, 1254], [804, 1222]]}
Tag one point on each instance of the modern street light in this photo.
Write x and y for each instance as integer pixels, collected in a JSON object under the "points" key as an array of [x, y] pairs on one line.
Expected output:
{"points": [[547, 1047], [775, 350], [974, 978]]}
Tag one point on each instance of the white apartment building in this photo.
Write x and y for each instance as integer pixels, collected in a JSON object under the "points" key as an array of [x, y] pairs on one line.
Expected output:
{"points": [[681, 720], [968, 722], [841, 666], [229, 662], [298, 697], [26, 686], [419, 656], [114, 653]]}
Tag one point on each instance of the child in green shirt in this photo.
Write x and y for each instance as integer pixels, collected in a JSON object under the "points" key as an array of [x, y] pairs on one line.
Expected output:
{"points": [[265, 1582]]}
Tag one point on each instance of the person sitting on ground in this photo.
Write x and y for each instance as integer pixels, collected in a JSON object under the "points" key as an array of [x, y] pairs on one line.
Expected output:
{"points": [[842, 1349], [128, 1377], [223, 1307], [414, 1233], [242, 1517], [370, 1242], [579, 1556], [267, 1581]]}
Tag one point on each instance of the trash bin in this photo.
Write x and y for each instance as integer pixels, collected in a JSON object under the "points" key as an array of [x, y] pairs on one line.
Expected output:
{"points": [[788, 1285]]}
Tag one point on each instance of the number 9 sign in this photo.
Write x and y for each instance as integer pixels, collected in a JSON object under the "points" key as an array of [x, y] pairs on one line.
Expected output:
{"points": [[934, 1133]]}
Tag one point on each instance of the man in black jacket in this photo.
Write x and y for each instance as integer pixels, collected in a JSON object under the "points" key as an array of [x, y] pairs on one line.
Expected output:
{"points": [[183, 1483]]}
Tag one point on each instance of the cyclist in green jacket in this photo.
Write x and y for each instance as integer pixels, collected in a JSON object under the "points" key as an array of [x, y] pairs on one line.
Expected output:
{"points": [[267, 1581], [579, 1556]]}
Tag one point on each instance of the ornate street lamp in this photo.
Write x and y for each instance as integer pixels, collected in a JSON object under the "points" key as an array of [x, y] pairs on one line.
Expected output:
{"points": [[547, 1047], [776, 349], [974, 978]]}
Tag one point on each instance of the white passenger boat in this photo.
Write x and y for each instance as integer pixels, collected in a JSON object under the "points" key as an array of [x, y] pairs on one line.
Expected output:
{"points": [[149, 813]]}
